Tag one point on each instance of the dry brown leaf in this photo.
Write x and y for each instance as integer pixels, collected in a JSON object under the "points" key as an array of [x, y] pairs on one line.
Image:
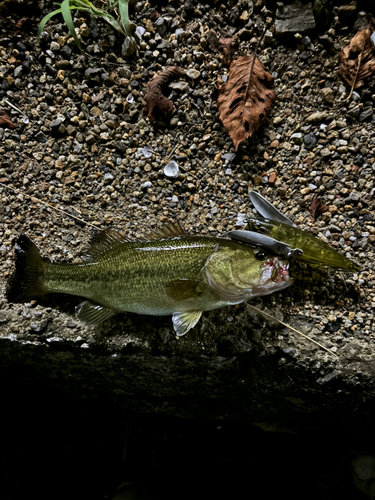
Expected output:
{"points": [[244, 104], [20, 22], [357, 60], [317, 207], [228, 47], [5, 120], [155, 100]]}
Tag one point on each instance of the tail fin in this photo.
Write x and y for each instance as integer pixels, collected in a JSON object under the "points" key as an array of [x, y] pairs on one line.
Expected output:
{"points": [[26, 283]]}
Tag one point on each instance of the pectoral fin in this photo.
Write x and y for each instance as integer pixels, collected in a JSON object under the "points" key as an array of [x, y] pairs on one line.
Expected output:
{"points": [[184, 289], [184, 321], [92, 314]]}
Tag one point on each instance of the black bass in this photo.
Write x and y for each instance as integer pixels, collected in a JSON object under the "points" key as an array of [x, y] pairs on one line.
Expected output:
{"points": [[166, 272]]}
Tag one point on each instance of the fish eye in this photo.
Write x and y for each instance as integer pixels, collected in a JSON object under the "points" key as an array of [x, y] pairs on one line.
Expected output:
{"points": [[260, 255], [257, 227]]}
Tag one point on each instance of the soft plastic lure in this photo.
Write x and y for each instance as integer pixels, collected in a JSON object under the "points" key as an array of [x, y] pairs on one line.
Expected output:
{"points": [[287, 239]]}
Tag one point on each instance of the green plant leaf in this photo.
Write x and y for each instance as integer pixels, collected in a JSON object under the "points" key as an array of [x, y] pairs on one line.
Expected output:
{"points": [[112, 21], [43, 22], [112, 4], [86, 5], [65, 11], [124, 14]]}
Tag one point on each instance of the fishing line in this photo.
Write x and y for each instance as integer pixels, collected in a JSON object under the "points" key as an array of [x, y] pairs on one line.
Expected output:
{"points": [[293, 329], [48, 205]]}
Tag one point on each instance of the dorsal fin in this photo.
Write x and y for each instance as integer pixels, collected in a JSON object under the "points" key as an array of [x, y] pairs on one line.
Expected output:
{"points": [[110, 239], [170, 230], [105, 241]]}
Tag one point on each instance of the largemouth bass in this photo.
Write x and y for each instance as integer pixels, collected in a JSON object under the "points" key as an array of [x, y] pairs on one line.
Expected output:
{"points": [[166, 272]]}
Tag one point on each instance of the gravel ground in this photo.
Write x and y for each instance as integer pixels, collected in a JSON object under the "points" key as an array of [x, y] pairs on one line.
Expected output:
{"points": [[79, 147]]}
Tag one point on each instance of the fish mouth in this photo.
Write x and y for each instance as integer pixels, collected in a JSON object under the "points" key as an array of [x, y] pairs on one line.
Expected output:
{"points": [[274, 277]]}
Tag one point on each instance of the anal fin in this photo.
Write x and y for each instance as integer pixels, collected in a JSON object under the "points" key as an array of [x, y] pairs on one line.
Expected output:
{"points": [[184, 321], [92, 314]]}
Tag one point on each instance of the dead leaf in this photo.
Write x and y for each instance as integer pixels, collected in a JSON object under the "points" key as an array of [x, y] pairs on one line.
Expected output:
{"points": [[5, 120], [357, 60], [245, 99], [20, 22], [155, 100], [228, 47], [317, 207]]}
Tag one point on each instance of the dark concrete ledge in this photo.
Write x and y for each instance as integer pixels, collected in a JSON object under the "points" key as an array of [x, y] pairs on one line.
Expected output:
{"points": [[229, 371]]}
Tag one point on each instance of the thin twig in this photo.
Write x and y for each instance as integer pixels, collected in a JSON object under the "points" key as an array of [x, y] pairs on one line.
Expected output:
{"points": [[48, 205], [173, 150], [356, 76], [15, 107], [293, 329]]}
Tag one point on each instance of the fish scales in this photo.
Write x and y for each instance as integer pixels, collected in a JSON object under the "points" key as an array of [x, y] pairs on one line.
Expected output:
{"points": [[135, 274]]}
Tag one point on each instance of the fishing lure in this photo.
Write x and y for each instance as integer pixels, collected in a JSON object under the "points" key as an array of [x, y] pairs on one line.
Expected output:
{"points": [[288, 239]]}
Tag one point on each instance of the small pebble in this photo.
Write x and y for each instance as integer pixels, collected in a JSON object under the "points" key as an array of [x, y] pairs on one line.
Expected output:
{"points": [[309, 141], [171, 170], [228, 156]]}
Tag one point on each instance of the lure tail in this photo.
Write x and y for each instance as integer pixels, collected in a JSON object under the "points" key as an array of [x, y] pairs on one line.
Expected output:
{"points": [[267, 210], [26, 283]]}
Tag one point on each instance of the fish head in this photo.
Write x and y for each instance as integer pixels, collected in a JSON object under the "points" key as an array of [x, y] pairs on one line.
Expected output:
{"points": [[263, 274], [238, 272]]}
